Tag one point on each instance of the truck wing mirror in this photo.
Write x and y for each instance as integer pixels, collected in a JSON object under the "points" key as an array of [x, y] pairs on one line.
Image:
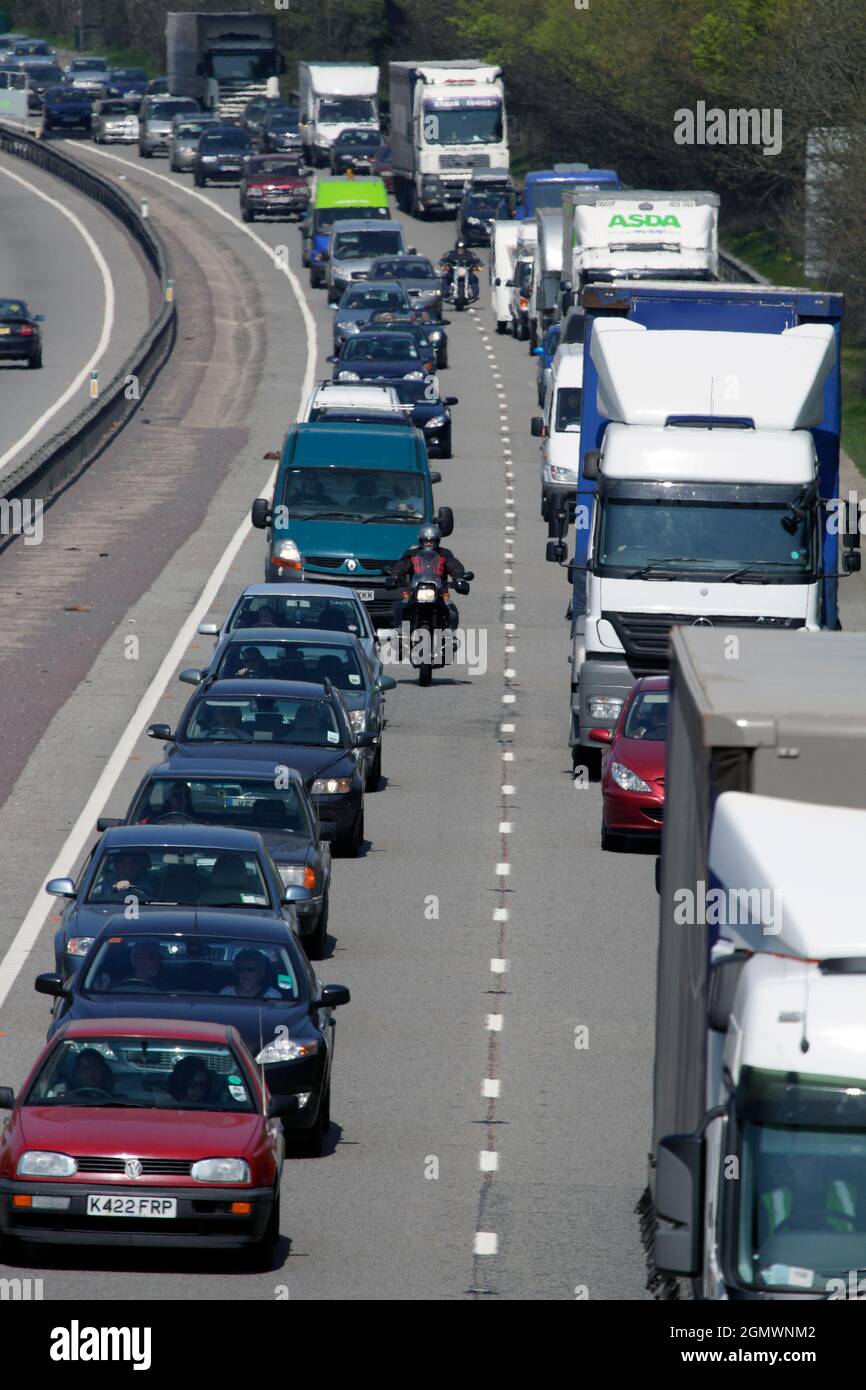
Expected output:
{"points": [[724, 978], [679, 1183], [592, 464]]}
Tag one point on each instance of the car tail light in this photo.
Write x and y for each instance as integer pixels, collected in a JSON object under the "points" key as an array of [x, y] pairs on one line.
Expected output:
{"points": [[25, 330]]}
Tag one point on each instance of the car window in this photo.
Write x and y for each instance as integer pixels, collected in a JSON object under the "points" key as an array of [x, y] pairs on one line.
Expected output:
{"points": [[395, 347], [361, 244], [164, 110], [225, 140], [355, 493], [648, 716], [162, 1073], [568, 408], [334, 614], [242, 802], [265, 719], [374, 299], [261, 971], [292, 661], [179, 876]]}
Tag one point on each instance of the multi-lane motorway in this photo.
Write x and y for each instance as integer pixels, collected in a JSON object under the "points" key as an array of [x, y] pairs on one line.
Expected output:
{"points": [[491, 1104]]}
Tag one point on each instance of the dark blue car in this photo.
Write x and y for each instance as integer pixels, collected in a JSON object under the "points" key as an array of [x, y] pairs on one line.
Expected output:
{"points": [[65, 108], [382, 354], [430, 413], [127, 82]]}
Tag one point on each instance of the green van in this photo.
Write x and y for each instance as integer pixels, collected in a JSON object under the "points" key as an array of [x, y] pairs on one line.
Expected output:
{"points": [[334, 200], [348, 501]]}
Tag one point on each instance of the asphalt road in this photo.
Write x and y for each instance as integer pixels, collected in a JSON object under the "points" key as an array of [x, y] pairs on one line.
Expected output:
{"points": [[491, 1100], [69, 260]]}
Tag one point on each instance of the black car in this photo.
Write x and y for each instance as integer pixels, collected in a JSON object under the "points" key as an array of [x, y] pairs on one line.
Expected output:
{"points": [[139, 867], [280, 131], [40, 76], [479, 209], [66, 108], [221, 154], [20, 335], [221, 968], [355, 149], [275, 804], [255, 112], [430, 412], [430, 334], [382, 354], [287, 723]]}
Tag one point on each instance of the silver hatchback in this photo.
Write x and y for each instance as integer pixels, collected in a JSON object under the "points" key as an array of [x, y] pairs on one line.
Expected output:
{"points": [[155, 122], [184, 138], [114, 120]]}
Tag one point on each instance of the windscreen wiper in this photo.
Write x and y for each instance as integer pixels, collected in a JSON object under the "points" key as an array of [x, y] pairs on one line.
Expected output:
{"points": [[329, 516], [394, 516], [760, 576]]}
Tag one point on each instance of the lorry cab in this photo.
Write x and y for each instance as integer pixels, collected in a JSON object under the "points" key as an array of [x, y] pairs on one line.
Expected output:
{"points": [[336, 200], [349, 500], [544, 188]]}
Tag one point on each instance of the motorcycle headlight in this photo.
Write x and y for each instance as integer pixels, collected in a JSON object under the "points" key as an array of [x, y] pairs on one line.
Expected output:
{"points": [[220, 1170], [435, 335], [358, 720], [474, 221], [436, 423], [285, 1049], [414, 376], [348, 376], [331, 786], [628, 780], [37, 1163], [288, 554], [297, 876]]}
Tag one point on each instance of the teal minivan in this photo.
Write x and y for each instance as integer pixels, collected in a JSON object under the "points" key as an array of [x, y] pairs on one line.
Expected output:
{"points": [[348, 501]]}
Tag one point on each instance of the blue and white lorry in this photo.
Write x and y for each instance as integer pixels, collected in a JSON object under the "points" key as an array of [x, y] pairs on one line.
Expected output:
{"points": [[544, 188]]}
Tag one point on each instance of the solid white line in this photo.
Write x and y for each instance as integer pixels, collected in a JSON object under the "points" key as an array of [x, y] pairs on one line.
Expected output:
{"points": [[500, 914], [505, 827], [28, 933], [107, 320]]}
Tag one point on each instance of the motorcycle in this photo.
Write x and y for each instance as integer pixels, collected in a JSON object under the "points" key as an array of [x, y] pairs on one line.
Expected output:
{"points": [[425, 608], [460, 289]]}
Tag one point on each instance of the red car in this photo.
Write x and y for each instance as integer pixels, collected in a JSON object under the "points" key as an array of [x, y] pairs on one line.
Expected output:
{"points": [[143, 1132], [382, 167], [272, 184], [633, 766]]}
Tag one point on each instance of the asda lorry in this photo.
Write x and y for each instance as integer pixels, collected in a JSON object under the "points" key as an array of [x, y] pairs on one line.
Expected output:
{"points": [[709, 442], [759, 1093]]}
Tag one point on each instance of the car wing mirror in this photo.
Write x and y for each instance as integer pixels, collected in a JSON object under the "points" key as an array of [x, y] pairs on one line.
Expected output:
{"points": [[387, 683], [160, 731], [208, 629], [61, 888], [332, 997], [108, 823], [49, 983], [7, 1098]]}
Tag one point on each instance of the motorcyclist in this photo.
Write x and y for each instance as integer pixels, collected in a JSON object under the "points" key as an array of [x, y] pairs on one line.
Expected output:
{"points": [[430, 539], [460, 255]]}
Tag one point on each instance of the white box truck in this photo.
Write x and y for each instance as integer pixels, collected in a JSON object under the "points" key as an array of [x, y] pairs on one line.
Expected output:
{"points": [[503, 240], [334, 97], [447, 120], [546, 275]]}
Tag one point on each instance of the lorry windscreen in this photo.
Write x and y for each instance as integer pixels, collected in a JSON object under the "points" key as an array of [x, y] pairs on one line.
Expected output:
{"points": [[243, 67], [346, 109], [743, 543], [463, 125]]}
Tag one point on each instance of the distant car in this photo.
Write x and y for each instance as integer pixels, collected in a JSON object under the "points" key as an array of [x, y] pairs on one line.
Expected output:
{"points": [[220, 155], [186, 1098], [311, 656], [257, 109], [186, 130], [383, 166], [274, 185], [20, 334], [33, 48], [360, 302], [273, 802], [155, 118], [8, 42], [90, 73], [549, 345], [301, 607], [422, 283], [157, 86], [381, 354], [41, 76], [114, 121], [279, 131], [355, 149], [166, 865], [428, 331], [290, 723], [478, 210], [65, 108], [430, 413], [127, 82], [633, 765]]}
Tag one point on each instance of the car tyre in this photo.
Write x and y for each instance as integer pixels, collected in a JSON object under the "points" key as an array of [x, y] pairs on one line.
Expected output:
{"points": [[35, 360], [247, 216], [314, 944], [309, 1143], [372, 782], [349, 846], [259, 1257], [445, 451], [145, 154], [198, 180], [545, 506]]}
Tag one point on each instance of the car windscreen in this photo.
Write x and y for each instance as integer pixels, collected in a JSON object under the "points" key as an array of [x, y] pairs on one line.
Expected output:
{"points": [[13, 309], [162, 1073], [282, 120], [190, 130], [648, 716], [264, 719], [164, 110], [402, 267], [292, 660], [359, 137], [328, 614], [179, 876], [274, 168], [115, 108], [360, 298], [210, 968], [128, 75], [373, 347], [39, 72], [236, 141], [246, 803], [89, 65], [361, 245], [61, 94], [353, 494], [346, 109]]}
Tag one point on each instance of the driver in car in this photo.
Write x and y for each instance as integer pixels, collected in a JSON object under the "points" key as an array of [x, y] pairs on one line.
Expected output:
{"points": [[92, 1072]]}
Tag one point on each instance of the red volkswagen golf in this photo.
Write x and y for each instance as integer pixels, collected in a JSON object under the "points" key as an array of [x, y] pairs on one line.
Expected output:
{"points": [[143, 1132], [633, 766]]}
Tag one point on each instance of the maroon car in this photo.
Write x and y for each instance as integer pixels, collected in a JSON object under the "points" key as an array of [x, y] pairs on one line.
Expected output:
{"points": [[633, 765], [143, 1132], [382, 167], [273, 184]]}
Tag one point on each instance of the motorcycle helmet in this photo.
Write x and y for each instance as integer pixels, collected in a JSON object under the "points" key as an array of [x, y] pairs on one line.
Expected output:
{"points": [[460, 245], [429, 534]]}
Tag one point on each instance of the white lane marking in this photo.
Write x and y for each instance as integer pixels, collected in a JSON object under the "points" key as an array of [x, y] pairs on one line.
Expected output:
{"points": [[491, 1088], [508, 789], [503, 870], [506, 728], [498, 966], [28, 933], [500, 914], [488, 1160], [493, 1023], [107, 320], [505, 827], [507, 757], [486, 1243]]}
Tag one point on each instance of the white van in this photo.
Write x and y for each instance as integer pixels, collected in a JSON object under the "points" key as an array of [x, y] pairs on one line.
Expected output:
{"points": [[559, 429], [503, 240], [521, 278], [349, 395]]}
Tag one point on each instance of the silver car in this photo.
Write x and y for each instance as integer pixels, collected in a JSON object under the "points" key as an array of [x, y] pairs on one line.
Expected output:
{"points": [[114, 120], [155, 122], [352, 249], [329, 607], [90, 74], [183, 141], [418, 277]]}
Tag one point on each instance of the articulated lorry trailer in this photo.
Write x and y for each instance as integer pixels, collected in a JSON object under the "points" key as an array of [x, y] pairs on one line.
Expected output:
{"points": [[335, 97], [447, 121], [637, 235], [222, 60], [756, 1185], [709, 440]]}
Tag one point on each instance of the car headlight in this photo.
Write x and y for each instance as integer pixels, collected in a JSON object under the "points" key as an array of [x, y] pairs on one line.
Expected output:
{"points": [[286, 553], [358, 720], [434, 292], [220, 1170], [37, 1163], [78, 945], [562, 475], [628, 780], [414, 376], [331, 786], [286, 1049], [474, 221], [435, 335], [347, 326], [205, 159], [600, 707], [436, 423], [255, 192], [297, 876], [348, 376]]}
